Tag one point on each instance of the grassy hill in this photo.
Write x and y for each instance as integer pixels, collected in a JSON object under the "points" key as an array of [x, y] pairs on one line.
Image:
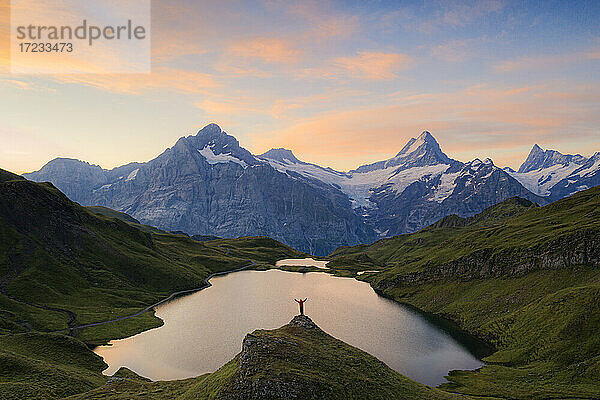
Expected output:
{"points": [[9, 176], [63, 266], [524, 278], [108, 212], [59, 255], [296, 361]]}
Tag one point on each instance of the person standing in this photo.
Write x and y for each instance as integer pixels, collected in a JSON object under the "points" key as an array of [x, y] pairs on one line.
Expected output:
{"points": [[301, 303]]}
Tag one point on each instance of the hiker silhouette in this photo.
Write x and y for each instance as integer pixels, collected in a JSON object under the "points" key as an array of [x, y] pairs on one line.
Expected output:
{"points": [[301, 304]]}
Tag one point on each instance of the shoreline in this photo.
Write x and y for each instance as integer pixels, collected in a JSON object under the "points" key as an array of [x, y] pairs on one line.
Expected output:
{"points": [[172, 296]]}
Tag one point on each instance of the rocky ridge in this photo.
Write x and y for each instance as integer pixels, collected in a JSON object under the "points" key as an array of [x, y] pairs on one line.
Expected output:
{"points": [[207, 184]]}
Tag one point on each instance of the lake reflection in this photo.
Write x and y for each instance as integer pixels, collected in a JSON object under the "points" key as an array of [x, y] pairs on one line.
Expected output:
{"points": [[204, 330]]}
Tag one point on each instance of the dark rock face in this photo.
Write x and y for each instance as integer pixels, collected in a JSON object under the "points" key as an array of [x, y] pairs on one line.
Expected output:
{"points": [[208, 185], [281, 155], [582, 248]]}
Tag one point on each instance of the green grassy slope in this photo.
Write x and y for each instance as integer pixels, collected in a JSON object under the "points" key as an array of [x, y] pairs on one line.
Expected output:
{"points": [[296, 361], [62, 266], [526, 279], [108, 212], [9, 176], [46, 366], [55, 253]]}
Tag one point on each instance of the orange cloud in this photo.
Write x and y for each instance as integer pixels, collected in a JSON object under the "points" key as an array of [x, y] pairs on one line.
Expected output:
{"points": [[176, 80], [594, 55], [374, 65], [240, 70], [322, 22], [504, 121], [270, 50]]}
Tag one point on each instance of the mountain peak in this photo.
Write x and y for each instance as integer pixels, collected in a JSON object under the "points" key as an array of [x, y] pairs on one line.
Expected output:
{"points": [[413, 144], [281, 155], [419, 152], [426, 136], [210, 129], [213, 135], [539, 158]]}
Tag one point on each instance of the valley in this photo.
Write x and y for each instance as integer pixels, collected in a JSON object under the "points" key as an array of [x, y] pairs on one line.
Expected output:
{"points": [[519, 277]]}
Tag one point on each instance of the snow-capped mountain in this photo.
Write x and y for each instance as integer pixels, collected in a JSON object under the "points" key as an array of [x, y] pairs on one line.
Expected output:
{"points": [[462, 189], [420, 152], [556, 175], [207, 184], [413, 189], [420, 157], [541, 159]]}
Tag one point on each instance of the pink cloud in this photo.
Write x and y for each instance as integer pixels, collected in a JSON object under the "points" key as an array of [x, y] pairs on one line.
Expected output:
{"points": [[163, 78], [505, 121], [267, 49], [374, 65]]}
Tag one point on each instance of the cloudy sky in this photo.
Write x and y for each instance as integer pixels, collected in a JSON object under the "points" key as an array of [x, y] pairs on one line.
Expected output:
{"points": [[341, 83]]}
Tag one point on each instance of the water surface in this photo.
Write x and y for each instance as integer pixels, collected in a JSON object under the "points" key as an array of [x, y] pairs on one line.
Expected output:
{"points": [[204, 330]]}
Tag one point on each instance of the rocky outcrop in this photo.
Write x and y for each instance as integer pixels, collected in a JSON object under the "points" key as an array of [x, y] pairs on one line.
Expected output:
{"points": [[257, 351], [300, 361]]}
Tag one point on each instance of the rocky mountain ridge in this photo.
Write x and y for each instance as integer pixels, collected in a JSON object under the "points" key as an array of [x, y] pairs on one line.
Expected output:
{"points": [[555, 175], [207, 184]]}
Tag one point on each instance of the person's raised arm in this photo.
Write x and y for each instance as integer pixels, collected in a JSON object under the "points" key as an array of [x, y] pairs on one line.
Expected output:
{"points": [[305, 299], [296, 301]]}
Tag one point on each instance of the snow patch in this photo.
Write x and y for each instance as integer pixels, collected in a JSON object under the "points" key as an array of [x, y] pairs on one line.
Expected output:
{"points": [[222, 158], [358, 186], [445, 188], [540, 181], [132, 175], [591, 170]]}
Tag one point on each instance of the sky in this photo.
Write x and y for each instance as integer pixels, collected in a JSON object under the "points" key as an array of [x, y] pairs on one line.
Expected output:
{"points": [[340, 83]]}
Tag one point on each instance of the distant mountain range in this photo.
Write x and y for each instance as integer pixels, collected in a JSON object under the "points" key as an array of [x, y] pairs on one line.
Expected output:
{"points": [[207, 184], [555, 175]]}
